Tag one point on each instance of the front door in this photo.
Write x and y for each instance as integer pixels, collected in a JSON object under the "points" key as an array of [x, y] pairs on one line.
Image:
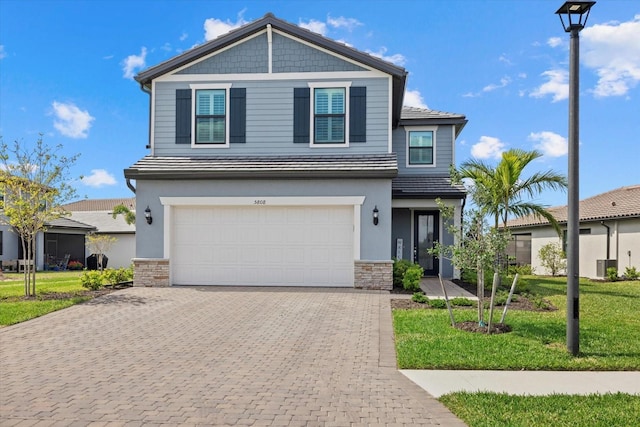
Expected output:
{"points": [[426, 227]]}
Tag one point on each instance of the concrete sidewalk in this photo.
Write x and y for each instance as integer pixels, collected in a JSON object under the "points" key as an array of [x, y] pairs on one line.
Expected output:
{"points": [[534, 383]]}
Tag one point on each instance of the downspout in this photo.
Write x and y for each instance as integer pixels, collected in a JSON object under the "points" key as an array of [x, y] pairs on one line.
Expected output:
{"points": [[130, 185], [148, 92], [608, 236]]}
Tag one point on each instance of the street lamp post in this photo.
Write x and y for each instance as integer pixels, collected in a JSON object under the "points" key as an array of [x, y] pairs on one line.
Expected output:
{"points": [[572, 10]]}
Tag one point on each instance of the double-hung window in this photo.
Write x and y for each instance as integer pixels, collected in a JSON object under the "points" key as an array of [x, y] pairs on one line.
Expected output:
{"points": [[211, 117], [421, 147], [329, 115]]}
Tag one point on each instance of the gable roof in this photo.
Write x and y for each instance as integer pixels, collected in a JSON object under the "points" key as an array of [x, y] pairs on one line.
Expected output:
{"points": [[412, 116], [399, 74], [623, 202], [99, 204]]}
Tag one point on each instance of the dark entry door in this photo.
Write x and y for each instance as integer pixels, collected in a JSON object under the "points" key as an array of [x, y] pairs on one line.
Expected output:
{"points": [[426, 227]]}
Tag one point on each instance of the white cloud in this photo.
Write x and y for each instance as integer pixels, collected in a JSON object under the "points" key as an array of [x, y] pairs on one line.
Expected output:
{"points": [[71, 121], [98, 178], [397, 58], [613, 50], [557, 85], [413, 98], [214, 27], [488, 147], [504, 59], [3, 53], [315, 26], [503, 82], [554, 41], [549, 143], [167, 47], [183, 36], [132, 63], [342, 22]]}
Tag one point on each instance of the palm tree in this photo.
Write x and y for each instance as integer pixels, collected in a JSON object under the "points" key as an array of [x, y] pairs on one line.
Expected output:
{"points": [[500, 191]]}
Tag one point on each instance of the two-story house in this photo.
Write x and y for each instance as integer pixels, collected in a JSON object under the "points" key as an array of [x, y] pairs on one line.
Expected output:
{"points": [[279, 157]]}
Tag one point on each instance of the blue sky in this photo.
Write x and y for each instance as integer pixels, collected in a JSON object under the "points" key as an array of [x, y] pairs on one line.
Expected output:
{"points": [[66, 71]]}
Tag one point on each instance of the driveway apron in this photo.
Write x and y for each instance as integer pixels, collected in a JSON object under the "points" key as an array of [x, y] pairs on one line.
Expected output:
{"points": [[212, 356]]}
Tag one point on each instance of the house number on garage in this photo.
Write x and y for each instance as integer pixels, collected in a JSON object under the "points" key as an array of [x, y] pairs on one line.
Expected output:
{"points": [[259, 202]]}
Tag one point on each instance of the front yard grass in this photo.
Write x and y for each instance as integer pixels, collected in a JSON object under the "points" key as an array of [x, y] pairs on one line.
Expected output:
{"points": [[609, 340], [14, 308]]}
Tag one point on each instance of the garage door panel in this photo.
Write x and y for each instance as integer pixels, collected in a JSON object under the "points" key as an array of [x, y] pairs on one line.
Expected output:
{"points": [[264, 245]]}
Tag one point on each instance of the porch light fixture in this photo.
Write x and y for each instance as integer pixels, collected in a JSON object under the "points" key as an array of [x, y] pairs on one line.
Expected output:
{"points": [[147, 215], [576, 14], [375, 215]]}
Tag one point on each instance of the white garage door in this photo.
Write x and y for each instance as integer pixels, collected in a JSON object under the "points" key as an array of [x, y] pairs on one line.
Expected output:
{"points": [[262, 245]]}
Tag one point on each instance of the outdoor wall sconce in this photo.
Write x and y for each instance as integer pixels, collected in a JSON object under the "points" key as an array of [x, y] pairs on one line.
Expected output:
{"points": [[375, 215], [147, 215]]}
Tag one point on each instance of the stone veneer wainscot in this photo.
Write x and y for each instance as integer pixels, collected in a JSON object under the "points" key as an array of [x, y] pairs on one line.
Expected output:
{"points": [[151, 272], [373, 275]]}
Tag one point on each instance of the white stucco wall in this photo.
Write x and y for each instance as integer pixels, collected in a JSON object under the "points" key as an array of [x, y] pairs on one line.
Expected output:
{"points": [[122, 251]]}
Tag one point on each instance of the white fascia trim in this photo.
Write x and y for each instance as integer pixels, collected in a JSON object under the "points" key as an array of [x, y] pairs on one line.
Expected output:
{"points": [[328, 52], [357, 209], [274, 76], [167, 229], [270, 48], [260, 201], [152, 131], [194, 87], [410, 129], [332, 84], [212, 54]]}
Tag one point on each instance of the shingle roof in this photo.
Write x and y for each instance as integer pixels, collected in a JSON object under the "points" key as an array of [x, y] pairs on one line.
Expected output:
{"points": [[68, 223], [99, 204], [103, 221], [623, 202], [424, 116], [411, 187], [317, 166]]}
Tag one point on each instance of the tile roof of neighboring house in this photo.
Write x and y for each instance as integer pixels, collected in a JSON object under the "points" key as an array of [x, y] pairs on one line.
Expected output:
{"points": [[317, 166], [623, 202], [104, 222], [409, 187], [99, 204], [399, 74], [424, 116]]}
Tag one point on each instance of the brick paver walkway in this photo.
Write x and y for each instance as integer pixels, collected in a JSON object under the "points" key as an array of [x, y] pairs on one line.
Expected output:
{"points": [[194, 356]]}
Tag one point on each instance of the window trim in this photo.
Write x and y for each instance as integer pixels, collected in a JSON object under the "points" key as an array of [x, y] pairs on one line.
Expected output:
{"points": [[408, 130], [312, 113], [227, 99]]}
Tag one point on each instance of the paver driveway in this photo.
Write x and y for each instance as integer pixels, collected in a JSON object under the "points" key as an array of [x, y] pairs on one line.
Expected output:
{"points": [[201, 356]]}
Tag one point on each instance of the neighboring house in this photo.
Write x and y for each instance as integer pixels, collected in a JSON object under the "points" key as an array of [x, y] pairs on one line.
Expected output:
{"points": [[99, 214], [279, 157], [62, 237], [609, 233]]}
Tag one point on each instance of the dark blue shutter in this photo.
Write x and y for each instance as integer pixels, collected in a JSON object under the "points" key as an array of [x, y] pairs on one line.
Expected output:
{"points": [[238, 115], [183, 116], [358, 114], [301, 119]]}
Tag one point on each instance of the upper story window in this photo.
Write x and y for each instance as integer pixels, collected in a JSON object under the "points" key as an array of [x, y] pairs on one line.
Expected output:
{"points": [[211, 116], [329, 115], [421, 147]]}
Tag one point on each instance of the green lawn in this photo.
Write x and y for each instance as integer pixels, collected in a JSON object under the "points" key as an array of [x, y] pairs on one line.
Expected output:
{"points": [[14, 308], [609, 340]]}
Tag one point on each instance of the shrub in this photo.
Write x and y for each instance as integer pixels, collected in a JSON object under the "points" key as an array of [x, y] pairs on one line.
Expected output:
{"points": [[523, 270], [631, 273], [462, 302], [419, 297], [411, 279], [400, 266], [612, 274], [113, 276], [552, 257], [75, 265], [438, 303], [92, 280]]}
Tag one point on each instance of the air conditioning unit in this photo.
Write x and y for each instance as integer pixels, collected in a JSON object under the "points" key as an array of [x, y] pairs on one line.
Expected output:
{"points": [[603, 264]]}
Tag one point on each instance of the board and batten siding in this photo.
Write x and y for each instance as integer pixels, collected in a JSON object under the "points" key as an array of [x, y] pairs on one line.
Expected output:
{"points": [[269, 120], [443, 152]]}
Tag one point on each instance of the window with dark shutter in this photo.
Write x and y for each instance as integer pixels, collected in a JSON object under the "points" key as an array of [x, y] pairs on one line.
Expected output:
{"points": [[183, 116], [358, 114], [301, 117], [238, 115]]}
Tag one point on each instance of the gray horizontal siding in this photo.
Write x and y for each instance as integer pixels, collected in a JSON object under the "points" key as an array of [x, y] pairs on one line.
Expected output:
{"points": [[443, 147], [270, 121]]}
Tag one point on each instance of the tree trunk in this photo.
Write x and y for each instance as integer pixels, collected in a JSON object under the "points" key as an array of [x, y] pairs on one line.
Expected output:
{"points": [[26, 277], [32, 263]]}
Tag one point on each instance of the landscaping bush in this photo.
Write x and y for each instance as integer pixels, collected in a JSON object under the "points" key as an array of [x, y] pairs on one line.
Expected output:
{"points": [[612, 274], [400, 266], [553, 258], [631, 273], [462, 302], [419, 297], [411, 279], [92, 280], [438, 303], [113, 276], [523, 270]]}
